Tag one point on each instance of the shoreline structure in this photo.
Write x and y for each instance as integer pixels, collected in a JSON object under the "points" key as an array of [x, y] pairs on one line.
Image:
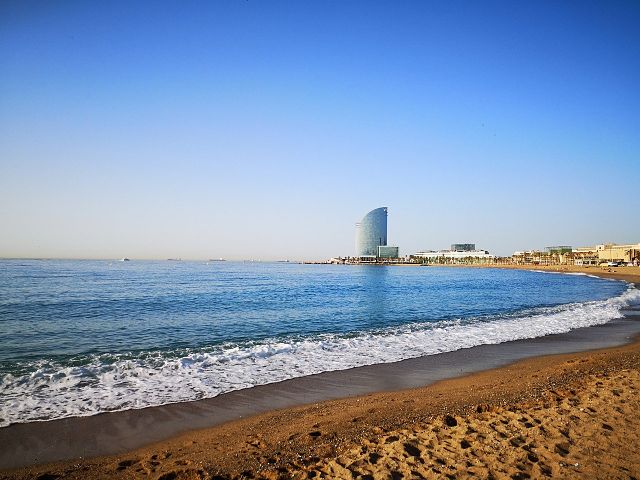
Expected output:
{"points": [[362, 435]]}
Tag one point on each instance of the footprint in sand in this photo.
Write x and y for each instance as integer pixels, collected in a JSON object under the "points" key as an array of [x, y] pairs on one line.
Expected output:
{"points": [[374, 457], [125, 464], [562, 449], [412, 450], [450, 421]]}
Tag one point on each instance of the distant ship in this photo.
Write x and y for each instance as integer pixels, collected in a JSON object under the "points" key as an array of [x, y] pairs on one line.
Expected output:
{"points": [[217, 259], [174, 259], [124, 259]]}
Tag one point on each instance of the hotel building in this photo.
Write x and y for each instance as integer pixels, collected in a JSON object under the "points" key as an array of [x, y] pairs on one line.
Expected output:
{"points": [[371, 236]]}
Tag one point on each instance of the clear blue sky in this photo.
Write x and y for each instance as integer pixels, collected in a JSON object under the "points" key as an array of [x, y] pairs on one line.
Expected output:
{"points": [[258, 129]]}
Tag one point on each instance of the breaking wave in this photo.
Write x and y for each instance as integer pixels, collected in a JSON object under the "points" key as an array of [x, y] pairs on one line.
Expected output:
{"points": [[99, 383]]}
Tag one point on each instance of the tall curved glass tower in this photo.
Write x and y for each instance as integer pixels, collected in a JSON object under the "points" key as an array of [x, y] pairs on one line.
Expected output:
{"points": [[371, 233]]}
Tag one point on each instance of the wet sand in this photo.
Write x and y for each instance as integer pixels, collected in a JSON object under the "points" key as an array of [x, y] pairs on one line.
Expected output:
{"points": [[356, 436], [628, 274]]}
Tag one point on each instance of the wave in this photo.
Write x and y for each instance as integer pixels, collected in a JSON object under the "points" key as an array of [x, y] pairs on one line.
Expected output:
{"points": [[121, 382]]}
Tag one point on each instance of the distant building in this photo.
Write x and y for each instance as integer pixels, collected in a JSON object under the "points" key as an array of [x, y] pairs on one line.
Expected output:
{"points": [[581, 256], [388, 252], [551, 256], [452, 256], [463, 247], [585, 256], [612, 252], [531, 257], [559, 249], [371, 235]]}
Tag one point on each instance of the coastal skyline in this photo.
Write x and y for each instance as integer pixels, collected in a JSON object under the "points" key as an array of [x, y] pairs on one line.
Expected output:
{"points": [[264, 130]]}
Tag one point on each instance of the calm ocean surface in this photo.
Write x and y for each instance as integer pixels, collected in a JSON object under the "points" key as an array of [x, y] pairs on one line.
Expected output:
{"points": [[83, 337]]}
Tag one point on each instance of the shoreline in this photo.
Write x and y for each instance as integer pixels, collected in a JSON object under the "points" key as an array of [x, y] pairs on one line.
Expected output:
{"points": [[627, 274], [98, 435]]}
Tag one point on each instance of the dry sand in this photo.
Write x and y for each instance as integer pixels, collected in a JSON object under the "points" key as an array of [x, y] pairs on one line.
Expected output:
{"points": [[587, 430], [562, 416]]}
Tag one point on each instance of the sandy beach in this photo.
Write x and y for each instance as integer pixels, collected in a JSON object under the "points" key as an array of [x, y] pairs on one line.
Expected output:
{"points": [[571, 415]]}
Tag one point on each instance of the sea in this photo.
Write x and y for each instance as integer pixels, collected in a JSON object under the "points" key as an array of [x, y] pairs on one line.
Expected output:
{"points": [[81, 337]]}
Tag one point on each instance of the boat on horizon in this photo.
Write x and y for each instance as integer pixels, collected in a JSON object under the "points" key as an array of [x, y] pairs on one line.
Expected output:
{"points": [[124, 259]]}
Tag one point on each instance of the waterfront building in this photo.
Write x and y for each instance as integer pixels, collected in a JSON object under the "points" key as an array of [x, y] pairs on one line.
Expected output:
{"points": [[585, 256], [371, 236], [371, 233], [581, 256], [551, 256], [560, 249], [612, 252], [385, 251], [453, 256], [535, 257]]}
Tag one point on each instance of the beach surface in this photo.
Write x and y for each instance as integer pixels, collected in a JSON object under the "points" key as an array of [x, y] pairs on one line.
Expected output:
{"points": [[563, 415], [628, 274]]}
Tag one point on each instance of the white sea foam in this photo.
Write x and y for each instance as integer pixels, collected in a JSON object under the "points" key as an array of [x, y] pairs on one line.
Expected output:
{"points": [[153, 379]]}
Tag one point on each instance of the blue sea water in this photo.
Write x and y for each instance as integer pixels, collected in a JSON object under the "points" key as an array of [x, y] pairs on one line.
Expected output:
{"points": [[83, 337]]}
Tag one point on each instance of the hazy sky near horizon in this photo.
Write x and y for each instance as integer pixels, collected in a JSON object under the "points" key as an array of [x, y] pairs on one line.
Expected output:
{"points": [[263, 129]]}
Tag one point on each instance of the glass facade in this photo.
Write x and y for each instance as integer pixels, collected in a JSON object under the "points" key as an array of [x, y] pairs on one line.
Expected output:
{"points": [[463, 247], [371, 233], [388, 252], [559, 249]]}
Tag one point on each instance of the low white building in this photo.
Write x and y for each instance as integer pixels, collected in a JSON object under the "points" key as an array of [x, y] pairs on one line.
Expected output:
{"points": [[454, 255]]}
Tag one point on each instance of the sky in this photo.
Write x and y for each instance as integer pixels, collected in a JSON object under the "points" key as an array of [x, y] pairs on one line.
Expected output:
{"points": [[266, 130]]}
